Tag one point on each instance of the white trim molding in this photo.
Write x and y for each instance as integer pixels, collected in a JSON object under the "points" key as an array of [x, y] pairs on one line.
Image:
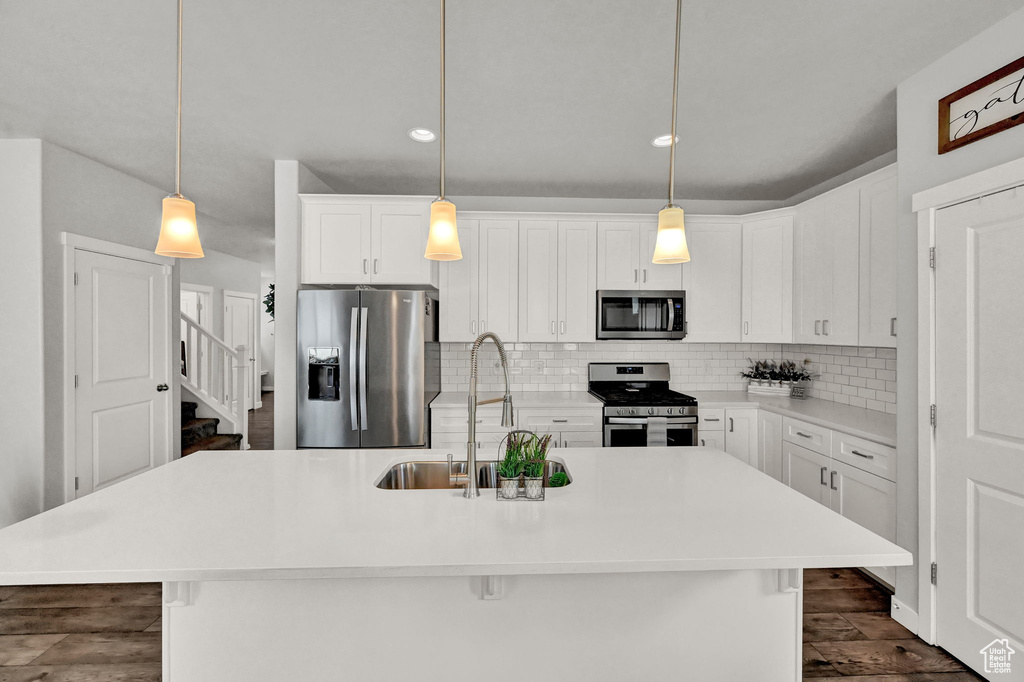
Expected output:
{"points": [[904, 615], [926, 204]]}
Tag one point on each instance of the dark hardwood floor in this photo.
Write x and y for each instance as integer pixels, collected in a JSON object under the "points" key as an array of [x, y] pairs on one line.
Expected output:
{"points": [[261, 425], [111, 633]]}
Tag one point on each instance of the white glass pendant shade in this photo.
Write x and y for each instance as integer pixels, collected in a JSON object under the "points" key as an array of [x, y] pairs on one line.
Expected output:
{"points": [[179, 235], [671, 245], [443, 239]]}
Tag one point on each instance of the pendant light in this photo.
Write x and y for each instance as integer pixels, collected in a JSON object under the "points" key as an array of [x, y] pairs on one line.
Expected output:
{"points": [[671, 244], [443, 239], [179, 235]]}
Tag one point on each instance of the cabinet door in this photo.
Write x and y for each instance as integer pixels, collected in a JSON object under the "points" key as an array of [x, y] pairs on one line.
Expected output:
{"points": [[768, 280], [741, 435], [769, 443], [711, 439], [868, 500], [571, 439], [577, 281], [806, 472], [335, 243], [399, 238], [712, 280], [618, 256], [666, 277], [538, 280], [878, 263], [499, 278], [840, 282], [459, 297], [809, 272]]}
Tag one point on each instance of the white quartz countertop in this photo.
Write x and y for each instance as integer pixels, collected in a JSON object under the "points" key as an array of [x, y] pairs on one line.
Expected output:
{"points": [[856, 421], [544, 399], [316, 514]]}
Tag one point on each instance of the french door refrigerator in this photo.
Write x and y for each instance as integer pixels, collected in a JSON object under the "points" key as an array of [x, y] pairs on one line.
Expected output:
{"points": [[368, 366]]}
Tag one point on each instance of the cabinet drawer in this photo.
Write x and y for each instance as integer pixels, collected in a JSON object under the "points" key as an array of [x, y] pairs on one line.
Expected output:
{"points": [[711, 419], [863, 454], [548, 421], [814, 438], [488, 420]]}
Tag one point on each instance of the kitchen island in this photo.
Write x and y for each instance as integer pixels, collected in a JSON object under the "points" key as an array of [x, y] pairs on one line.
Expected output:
{"points": [[652, 564]]}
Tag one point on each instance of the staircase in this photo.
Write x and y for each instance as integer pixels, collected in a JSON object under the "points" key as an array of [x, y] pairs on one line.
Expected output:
{"points": [[198, 433]]}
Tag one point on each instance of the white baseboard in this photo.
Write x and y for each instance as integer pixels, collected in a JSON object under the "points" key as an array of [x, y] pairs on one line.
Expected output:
{"points": [[267, 388], [904, 615]]}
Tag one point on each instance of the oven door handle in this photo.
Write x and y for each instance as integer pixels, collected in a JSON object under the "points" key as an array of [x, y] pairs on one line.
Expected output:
{"points": [[675, 421]]}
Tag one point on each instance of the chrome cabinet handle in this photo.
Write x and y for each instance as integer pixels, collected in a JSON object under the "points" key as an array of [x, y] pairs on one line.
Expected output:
{"points": [[712, 419], [746, 328], [552, 326], [861, 454], [892, 326], [645, 275], [803, 435], [731, 426], [817, 327], [823, 470], [561, 327], [636, 276], [483, 326], [366, 266], [825, 324], [472, 326], [703, 444], [375, 261], [560, 421], [832, 480]]}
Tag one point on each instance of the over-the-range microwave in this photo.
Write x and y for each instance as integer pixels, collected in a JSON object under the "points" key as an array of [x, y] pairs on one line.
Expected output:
{"points": [[634, 314]]}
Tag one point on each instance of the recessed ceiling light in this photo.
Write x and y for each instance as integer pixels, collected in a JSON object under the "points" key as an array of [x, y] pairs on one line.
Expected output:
{"points": [[663, 141], [422, 135]]}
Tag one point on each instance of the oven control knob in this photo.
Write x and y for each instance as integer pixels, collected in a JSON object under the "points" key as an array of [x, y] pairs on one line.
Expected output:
{"points": [[622, 411], [650, 410], [632, 411], [670, 410]]}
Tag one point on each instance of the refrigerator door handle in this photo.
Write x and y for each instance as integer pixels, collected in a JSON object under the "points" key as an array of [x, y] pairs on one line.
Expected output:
{"points": [[362, 367], [352, 368]]}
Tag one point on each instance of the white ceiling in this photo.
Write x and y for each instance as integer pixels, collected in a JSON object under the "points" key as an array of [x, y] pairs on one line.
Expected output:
{"points": [[545, 97]]}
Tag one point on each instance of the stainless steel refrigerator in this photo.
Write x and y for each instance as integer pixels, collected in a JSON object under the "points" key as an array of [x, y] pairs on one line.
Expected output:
{"points": [[368, 366]]}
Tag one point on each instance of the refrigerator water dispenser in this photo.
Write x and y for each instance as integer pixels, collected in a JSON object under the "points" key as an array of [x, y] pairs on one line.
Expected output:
{"points": [[323, 374]]}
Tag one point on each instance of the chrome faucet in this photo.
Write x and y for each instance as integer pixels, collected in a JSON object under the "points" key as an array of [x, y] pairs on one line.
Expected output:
{"points": [[507, 419]]}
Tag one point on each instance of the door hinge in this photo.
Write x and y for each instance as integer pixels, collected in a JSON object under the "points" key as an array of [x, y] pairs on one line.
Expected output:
{"points": [[76, 482], [931, 415], [935, 573], [76, 279], [931, 258]]}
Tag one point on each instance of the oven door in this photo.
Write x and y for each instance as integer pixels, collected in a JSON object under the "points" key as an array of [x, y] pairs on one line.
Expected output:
{"points": [[641, 314], [641, 432]]}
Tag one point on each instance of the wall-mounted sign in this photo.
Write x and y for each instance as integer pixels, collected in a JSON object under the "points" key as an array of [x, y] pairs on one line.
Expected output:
{"points": [[987, 106]]}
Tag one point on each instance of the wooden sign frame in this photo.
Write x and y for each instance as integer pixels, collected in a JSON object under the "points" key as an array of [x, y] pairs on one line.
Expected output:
{"points": [[945, 143]]}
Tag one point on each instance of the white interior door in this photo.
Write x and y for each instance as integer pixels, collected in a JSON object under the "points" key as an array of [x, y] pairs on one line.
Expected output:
{"points": [[979, 435], [122, 355], [240, 330]]}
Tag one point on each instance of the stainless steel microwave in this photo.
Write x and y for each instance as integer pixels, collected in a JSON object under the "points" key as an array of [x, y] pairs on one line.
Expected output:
{"points": [[631, 314]]}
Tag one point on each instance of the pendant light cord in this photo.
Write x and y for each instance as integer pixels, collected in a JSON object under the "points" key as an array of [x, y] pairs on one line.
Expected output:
{"points": [[177, 165], [442, 98], [675, 98]]}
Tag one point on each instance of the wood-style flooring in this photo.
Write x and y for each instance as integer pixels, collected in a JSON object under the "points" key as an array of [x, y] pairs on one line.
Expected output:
{"points": [[261, 425], [111, 633]]}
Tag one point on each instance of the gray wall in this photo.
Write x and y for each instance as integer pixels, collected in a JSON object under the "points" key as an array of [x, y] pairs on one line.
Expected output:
{"points": [[920, 168], [222, 273]]}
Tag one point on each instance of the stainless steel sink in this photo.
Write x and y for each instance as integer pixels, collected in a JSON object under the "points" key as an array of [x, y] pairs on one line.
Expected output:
{"points": [[434, 475]]}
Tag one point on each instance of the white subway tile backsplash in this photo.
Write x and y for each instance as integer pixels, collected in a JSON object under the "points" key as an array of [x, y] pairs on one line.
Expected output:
{"points": [[865, 377]]}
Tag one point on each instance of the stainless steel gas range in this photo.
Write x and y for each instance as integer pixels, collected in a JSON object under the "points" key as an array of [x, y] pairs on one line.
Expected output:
{"points": [[639, 408]]}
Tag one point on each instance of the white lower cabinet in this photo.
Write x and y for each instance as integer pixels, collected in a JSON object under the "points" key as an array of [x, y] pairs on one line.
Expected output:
{"points": [[806, 471], [712, 439], [769, 443], [568, 427], [741, 435], [576, 439]]}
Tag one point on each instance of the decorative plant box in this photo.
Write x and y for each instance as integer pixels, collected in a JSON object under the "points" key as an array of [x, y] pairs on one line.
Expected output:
{"points": [[521, 495], [779, 388]]}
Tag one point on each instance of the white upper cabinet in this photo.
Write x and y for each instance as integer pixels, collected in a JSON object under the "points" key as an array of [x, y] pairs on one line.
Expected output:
{"points": [[879, 228], [826, 269], [713, 282], [499, 278], [557, 280], [335, 243], [624, 252], [365, 240], [768, 280], [459, 311]]}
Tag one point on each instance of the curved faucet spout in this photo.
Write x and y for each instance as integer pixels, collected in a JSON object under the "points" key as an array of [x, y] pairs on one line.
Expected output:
{"points": [[507, 415]]}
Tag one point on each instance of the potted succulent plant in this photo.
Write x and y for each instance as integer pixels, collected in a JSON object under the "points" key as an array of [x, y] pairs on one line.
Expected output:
{"points": [[511, 465], [767, 377], [533, 469]]}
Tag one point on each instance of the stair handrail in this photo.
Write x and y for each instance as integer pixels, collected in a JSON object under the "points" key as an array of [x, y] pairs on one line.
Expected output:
{"points": [[233, 375]]}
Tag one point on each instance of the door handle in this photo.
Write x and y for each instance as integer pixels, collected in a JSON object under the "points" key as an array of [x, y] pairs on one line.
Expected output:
{"points": [[892, 326], [636, 275], [832, 480], [375, 261], [483, 326], [552, 326], [702, 443], [861, 454], [746, 328], [366, 266], [472, 326], [352, 367], [560, 421], [817, 327], [825, 324], [803, 435], [731, 426], [561, 327], [162, 387], [362, 368], [645, 275], [712, 419], [823, 470]]}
